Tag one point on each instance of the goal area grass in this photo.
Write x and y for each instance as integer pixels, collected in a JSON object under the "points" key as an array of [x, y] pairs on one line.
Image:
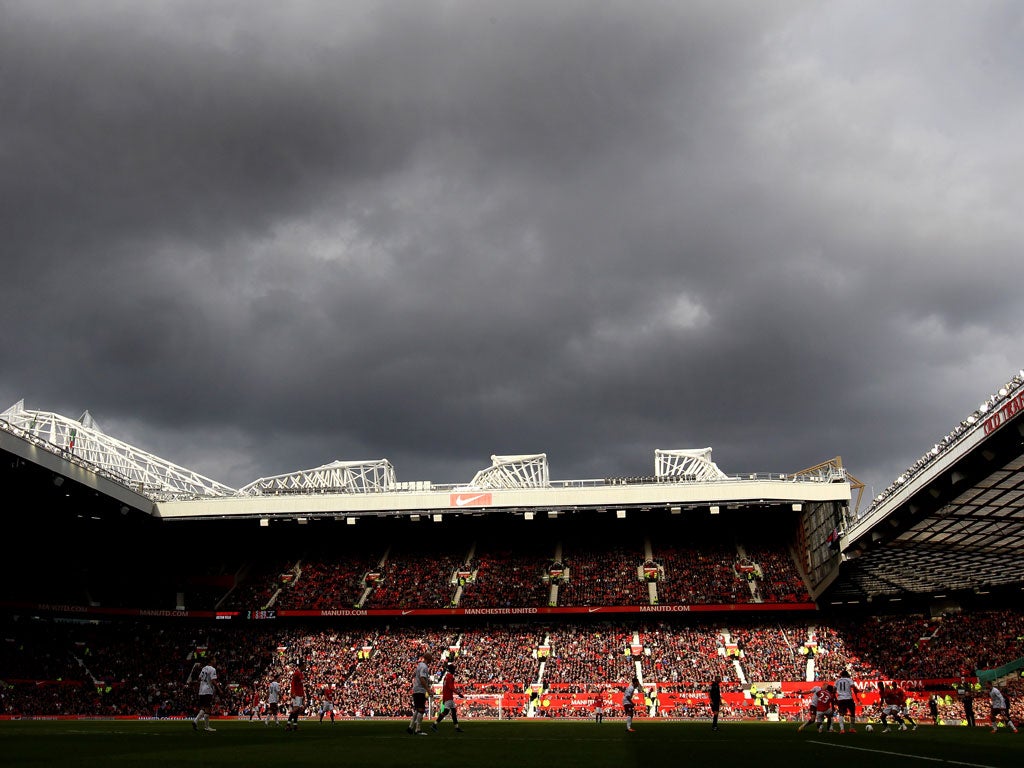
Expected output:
{"points": [[493, 744]]}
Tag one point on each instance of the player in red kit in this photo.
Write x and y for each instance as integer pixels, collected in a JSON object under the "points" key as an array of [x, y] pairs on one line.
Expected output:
{"points": [[298, 700], [905, 711], [599, 706], [825, 709], [893, 699], [447, 699]]}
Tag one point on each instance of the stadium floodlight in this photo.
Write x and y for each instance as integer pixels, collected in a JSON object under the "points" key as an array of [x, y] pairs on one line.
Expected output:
{"points": [[264, 522], [620, 514], [415, 518], [714, 510], [552, 513], [528, 515], [350, 521], [675, 510], [302, 520], [436, 518]]}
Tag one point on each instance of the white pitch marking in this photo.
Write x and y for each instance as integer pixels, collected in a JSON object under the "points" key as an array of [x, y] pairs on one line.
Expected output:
{"points": [[902, 754], [111, 733]]}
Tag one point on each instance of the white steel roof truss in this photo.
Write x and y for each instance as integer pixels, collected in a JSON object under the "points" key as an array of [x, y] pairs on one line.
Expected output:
{"points": [[337, 477], [690, 463], [521, 471], [150, 475]]}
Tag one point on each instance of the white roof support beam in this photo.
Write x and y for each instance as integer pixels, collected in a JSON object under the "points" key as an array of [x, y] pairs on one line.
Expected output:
{"points": [[337, 477], [687, 464], [149, 475], [523, 471]]}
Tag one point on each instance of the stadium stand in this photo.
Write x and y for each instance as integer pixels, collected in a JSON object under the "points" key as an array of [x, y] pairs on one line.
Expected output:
{"points": [[539, 613], [138, 668]]}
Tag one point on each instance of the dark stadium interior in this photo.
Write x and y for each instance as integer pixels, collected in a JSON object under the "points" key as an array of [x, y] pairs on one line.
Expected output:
{"points": [[111, 556]]}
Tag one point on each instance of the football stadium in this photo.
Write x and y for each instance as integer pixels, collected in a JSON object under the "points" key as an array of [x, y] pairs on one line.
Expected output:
{"points": [[545, 600]]}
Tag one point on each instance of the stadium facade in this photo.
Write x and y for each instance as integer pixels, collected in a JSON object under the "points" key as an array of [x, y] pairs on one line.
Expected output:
{"points": [[118, 534], [951, 522]]}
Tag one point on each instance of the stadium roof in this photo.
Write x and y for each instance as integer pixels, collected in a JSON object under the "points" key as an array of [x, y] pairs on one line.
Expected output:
{"points": [[682, 479], [953, 521]]}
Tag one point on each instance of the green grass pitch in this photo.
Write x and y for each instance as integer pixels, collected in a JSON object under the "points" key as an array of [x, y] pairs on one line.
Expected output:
{"points": [[487, 744]]}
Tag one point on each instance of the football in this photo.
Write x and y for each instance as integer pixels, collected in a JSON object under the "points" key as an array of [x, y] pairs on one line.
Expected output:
{"points": [[868, 728]]}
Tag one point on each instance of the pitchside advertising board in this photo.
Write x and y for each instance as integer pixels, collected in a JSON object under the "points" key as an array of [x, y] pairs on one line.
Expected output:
{"points": [[789, 698], [264, 614]]}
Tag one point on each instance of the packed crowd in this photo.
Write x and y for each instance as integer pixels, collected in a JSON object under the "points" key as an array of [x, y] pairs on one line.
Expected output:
{"points": [[680, 653], [506, 579], [421, 577], [261, 582], [498, 574], [705, 574], [912, 647], [134, 668], [605, 576], [779, 581], [322, 584], [580, 656], [767, 653], [887, 643], [499, 659]]}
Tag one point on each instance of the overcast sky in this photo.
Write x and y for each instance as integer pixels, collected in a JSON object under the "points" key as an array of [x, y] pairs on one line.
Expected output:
{"points": [[255, 237]]}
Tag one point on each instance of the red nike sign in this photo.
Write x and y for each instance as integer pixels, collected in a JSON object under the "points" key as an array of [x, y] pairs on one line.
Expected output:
{"points": [[470, 499]]}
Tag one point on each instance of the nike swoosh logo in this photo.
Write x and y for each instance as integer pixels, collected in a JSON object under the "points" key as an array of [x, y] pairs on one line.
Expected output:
{"points": [[406, 613], [593, 610], [461, 501]]}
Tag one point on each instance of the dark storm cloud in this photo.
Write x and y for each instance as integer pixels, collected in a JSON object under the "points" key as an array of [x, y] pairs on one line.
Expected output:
{"points": [[254, 238]]}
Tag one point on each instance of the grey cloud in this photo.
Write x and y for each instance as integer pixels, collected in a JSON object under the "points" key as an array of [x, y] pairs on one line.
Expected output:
{"points": [[258, 238]]}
